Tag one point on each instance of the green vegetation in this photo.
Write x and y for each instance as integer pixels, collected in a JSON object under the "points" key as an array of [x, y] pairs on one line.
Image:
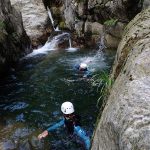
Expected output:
{"points": [[104, 83], [2, 25], [62, 24], [110, 22]]}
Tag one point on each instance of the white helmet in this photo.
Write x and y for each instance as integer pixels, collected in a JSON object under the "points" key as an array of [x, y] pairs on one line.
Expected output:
{"points": [[67, 108], [83, 66]]}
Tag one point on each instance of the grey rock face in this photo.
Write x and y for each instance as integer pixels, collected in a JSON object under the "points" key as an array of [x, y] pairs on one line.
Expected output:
{"points": [[93, 28], [123, 10], [69, 13], [13, 39], [113, 34], [100, 11], [34, 17], [146, 4], [125, 121]]}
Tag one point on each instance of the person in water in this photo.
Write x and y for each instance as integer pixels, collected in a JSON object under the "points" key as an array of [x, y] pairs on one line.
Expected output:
{"points": [[82, 68], [72, 123]]}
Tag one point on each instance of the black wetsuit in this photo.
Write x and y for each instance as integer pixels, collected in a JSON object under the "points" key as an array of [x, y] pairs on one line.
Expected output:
{"points": [[71, 122]]}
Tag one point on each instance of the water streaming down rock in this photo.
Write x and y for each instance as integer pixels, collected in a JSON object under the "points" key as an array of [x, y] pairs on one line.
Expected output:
{"points": [[71, 49], [101, 43], [50, 45], [52, 20], [70, 43]]}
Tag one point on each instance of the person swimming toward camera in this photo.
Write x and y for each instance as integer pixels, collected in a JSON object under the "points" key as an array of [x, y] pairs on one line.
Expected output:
{"points": [[72, 123], [83, 69]]}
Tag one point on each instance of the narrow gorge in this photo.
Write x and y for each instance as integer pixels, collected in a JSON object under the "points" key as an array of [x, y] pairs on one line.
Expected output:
{"points": [[42, 41]]}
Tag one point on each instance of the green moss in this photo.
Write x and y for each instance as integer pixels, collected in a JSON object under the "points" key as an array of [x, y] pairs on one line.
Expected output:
{"points": [[110, 22], [62, 24], [56, 11], [2, 25]]}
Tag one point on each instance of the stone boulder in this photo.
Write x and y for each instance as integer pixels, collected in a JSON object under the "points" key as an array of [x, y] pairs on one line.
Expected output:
{"points": [[125, 121], [93, 28], [111, 41], [113, 34], [35, 19], [14, 42], [123, 10], [69, 13], [146, 4]]}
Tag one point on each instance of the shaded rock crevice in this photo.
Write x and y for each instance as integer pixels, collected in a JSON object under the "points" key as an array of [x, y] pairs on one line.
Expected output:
{"points": [[14, 43]]}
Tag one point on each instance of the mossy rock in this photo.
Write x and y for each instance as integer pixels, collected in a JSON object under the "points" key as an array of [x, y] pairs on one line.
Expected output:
{"points": [[56, 11], [62, 25]]}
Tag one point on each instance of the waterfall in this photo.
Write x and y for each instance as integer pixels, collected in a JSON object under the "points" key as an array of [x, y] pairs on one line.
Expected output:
{"points": [[70, 43], [101, 43], [71, 49], [51, 18], [50, 45]]}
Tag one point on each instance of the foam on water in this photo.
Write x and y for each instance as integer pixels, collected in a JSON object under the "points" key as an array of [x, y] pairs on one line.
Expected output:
{"points": [[49, 46], [72, 49]]}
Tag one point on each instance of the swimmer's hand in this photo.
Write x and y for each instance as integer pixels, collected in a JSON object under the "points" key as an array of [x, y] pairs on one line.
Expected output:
{"points": [[43, 135]]}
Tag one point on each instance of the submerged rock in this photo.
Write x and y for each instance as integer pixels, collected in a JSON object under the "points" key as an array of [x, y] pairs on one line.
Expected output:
{"points": [[125, 121], [7, 145]]}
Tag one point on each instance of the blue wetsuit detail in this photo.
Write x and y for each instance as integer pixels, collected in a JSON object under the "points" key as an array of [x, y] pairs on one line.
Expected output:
{"points": [[77, 130], [86, 72], [56, 125], [82, 134], [76, 67]]}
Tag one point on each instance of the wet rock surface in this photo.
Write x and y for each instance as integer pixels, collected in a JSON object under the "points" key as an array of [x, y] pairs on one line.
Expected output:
{"points": [[125, 121], [19, 137], [14, 42]]}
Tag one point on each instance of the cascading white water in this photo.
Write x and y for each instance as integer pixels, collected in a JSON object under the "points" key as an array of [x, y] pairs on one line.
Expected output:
{"points": [[50, 16], [101, 43], [70, 43], [49, 45], [52, 21], [71, 49]]}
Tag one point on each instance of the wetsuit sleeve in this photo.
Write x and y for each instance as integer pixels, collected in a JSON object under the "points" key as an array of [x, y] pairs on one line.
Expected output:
{"points": [[82, 134], [87, 74], [76, 67], [56, 125]]}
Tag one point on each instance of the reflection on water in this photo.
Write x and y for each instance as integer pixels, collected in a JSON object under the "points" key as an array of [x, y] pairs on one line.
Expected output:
{"points": [[32, 94]]}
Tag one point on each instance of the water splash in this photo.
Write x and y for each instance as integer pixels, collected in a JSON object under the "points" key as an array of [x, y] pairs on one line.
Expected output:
{"points": [[49, 45], [71, 49], [95, 61], [57, 29]]}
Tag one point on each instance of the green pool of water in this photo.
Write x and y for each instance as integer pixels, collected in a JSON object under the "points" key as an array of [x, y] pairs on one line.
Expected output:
{"points": [[31, 96]]}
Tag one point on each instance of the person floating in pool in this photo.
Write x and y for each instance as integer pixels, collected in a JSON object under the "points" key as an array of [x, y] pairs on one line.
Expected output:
{"points": [[72, 123], [83, 69]]}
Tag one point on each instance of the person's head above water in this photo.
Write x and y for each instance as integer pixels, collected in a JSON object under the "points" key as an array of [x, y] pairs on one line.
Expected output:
{"points": [[83, 67], [67, 108]]}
